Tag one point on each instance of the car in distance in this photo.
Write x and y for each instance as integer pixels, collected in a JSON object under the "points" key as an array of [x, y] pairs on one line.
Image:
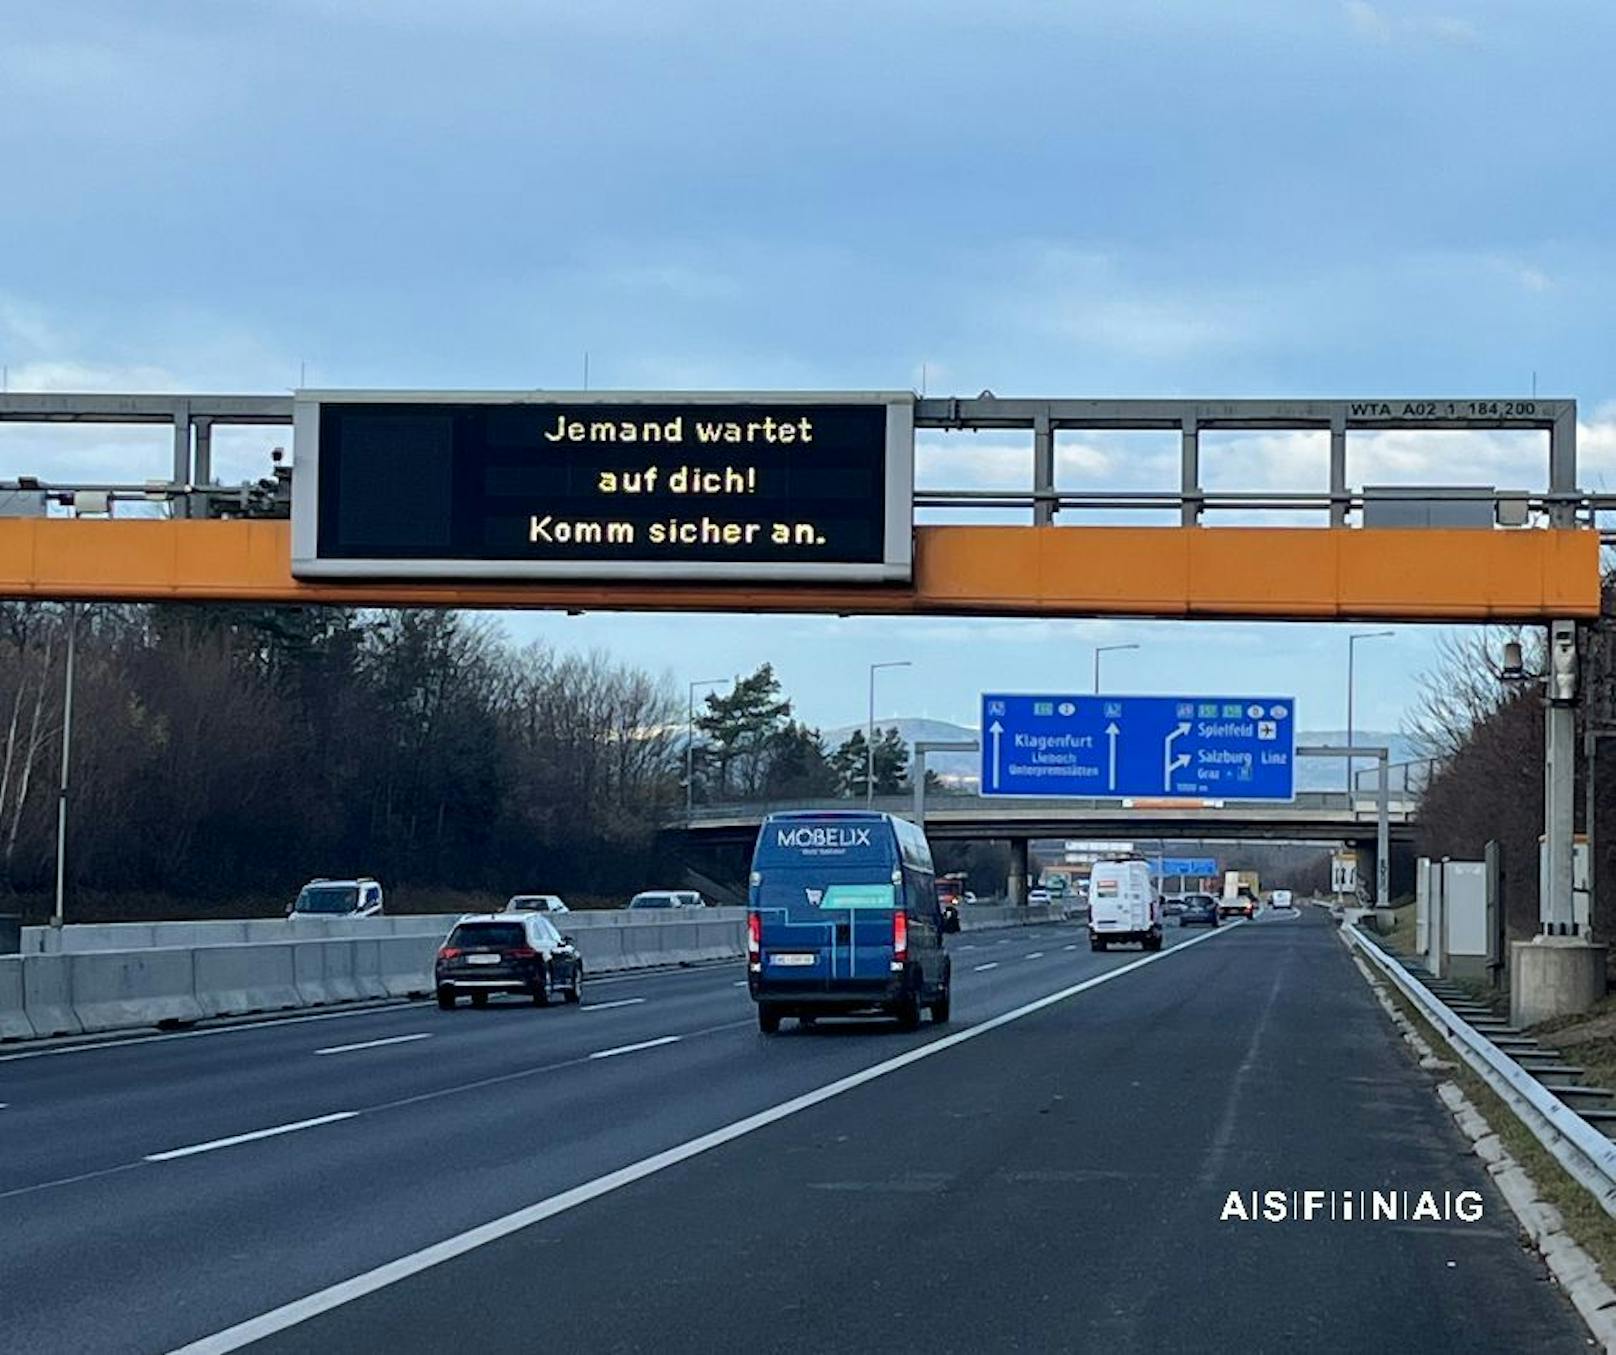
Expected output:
{"points": [[843, 920], [488, 953], [1174, 906], [1198, 910], [536, 903], [667, 898], [1280, 898], [1038, 897], [361, 897]]}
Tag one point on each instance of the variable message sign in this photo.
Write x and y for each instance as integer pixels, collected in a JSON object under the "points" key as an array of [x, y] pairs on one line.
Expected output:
{"points": [[1231, 747], [641, 485]]}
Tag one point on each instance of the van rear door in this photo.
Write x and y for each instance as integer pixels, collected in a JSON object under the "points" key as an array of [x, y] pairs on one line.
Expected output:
{"points": [[840, 933], [799, 942]]}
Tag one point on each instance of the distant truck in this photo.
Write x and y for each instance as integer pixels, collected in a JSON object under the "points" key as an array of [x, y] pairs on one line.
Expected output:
{"points": [[1239, 894], [1123, 905]]}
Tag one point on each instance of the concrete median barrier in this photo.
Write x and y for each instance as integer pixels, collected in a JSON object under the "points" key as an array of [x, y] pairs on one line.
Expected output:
{"points": [[47, 995], [235, 980], [14, 1022], [95, 990], [367, 967], [406, 964], [117, 989], [323, 972], [601, 947], [721, 940]]}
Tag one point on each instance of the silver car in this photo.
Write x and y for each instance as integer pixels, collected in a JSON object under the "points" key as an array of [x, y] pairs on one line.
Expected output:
{"points": [[536, 903]]}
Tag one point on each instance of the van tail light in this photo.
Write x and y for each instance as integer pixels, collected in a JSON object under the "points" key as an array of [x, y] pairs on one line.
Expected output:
{"points": [[754, 940], [900, 937], [448, 952]]}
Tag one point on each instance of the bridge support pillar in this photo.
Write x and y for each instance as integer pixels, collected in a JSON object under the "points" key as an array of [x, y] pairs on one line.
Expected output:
{"points": [[1017, 885]]}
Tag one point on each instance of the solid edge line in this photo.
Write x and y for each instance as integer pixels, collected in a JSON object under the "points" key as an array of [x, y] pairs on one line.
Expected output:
{"points": [[635, 1048], [374, 1044], [616, 1002], [347, 1291], [256, 1134]]}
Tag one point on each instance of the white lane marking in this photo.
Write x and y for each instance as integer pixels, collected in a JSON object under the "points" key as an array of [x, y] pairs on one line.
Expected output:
{"points": [[991, 964], [346, 1291], [234, 1139], [373, 1044], [633, 1048], [1068, 947], [620, 1002], [739, 983], [1035, 955]]}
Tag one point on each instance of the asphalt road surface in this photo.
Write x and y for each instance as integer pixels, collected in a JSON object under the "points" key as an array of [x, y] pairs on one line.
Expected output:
{"points": [[648, 1173]]}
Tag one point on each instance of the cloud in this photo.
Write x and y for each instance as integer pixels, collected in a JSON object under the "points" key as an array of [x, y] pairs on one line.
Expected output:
{"points": [[45, 375], [1090, 299], [1370, 23]]}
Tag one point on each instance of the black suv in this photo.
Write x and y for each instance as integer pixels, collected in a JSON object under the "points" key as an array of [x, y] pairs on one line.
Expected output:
{"points": [[506, 953]]}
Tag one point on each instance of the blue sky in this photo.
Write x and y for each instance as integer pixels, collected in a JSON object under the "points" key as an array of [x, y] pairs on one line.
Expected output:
{"points": [[1045, 198]]}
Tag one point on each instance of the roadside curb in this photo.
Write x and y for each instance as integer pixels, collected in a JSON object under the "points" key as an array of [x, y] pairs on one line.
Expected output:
{"points": [[1573, 1269]]}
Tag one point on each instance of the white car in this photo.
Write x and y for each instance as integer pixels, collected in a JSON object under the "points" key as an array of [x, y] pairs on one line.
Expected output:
{"points": [[667, 898], [1280, 898], [337, 898], [536, 903], [1037, 897]]}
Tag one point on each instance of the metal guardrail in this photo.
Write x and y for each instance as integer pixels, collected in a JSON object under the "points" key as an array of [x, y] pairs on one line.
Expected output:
{"points": [[1586, 1154], [190, 488]]}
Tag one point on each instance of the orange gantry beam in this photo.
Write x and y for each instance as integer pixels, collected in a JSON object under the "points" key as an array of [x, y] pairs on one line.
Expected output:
{"points": [[1274, 573]]}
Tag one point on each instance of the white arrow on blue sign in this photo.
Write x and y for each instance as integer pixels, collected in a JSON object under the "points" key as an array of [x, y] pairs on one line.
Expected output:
{"points": [[1222, 747]]}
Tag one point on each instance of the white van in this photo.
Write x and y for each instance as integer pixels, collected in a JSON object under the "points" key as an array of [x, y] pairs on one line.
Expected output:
{"points": [[1123, 905]]}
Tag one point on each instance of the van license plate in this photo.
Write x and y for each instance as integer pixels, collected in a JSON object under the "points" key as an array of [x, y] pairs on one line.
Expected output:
{"points": [[789, 960], [483, 959]]}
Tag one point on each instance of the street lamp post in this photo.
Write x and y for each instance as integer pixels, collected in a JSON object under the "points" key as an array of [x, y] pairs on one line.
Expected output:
{"points": [[690, 743], [869, 733], [1352, 643], [1105, 649]]}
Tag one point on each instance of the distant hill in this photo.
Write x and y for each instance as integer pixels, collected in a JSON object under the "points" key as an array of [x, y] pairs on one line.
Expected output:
{"points": [[962, 768]]}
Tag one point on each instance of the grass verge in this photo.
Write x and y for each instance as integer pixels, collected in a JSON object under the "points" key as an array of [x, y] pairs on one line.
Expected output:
{"points": [[1400, 935]]}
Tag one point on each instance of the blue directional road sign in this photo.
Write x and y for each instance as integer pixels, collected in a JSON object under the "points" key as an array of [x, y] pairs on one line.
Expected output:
{"points": [[1188, 865], [1216, 747]]}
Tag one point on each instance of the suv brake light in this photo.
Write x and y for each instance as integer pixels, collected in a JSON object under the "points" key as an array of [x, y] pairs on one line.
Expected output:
{"points": [[520, 953], [448, 952]]}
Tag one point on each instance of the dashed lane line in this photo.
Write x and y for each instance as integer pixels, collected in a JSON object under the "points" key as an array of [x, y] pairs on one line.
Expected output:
{"points": [[213, 1144], [635, 1048], [374, 1044]]}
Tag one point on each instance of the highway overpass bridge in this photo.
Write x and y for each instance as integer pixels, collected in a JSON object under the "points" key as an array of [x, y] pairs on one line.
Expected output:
{"points": [[1313, 816]]}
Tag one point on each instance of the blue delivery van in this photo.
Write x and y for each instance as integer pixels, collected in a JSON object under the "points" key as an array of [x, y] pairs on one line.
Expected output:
{"points": [[843, 919]]}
